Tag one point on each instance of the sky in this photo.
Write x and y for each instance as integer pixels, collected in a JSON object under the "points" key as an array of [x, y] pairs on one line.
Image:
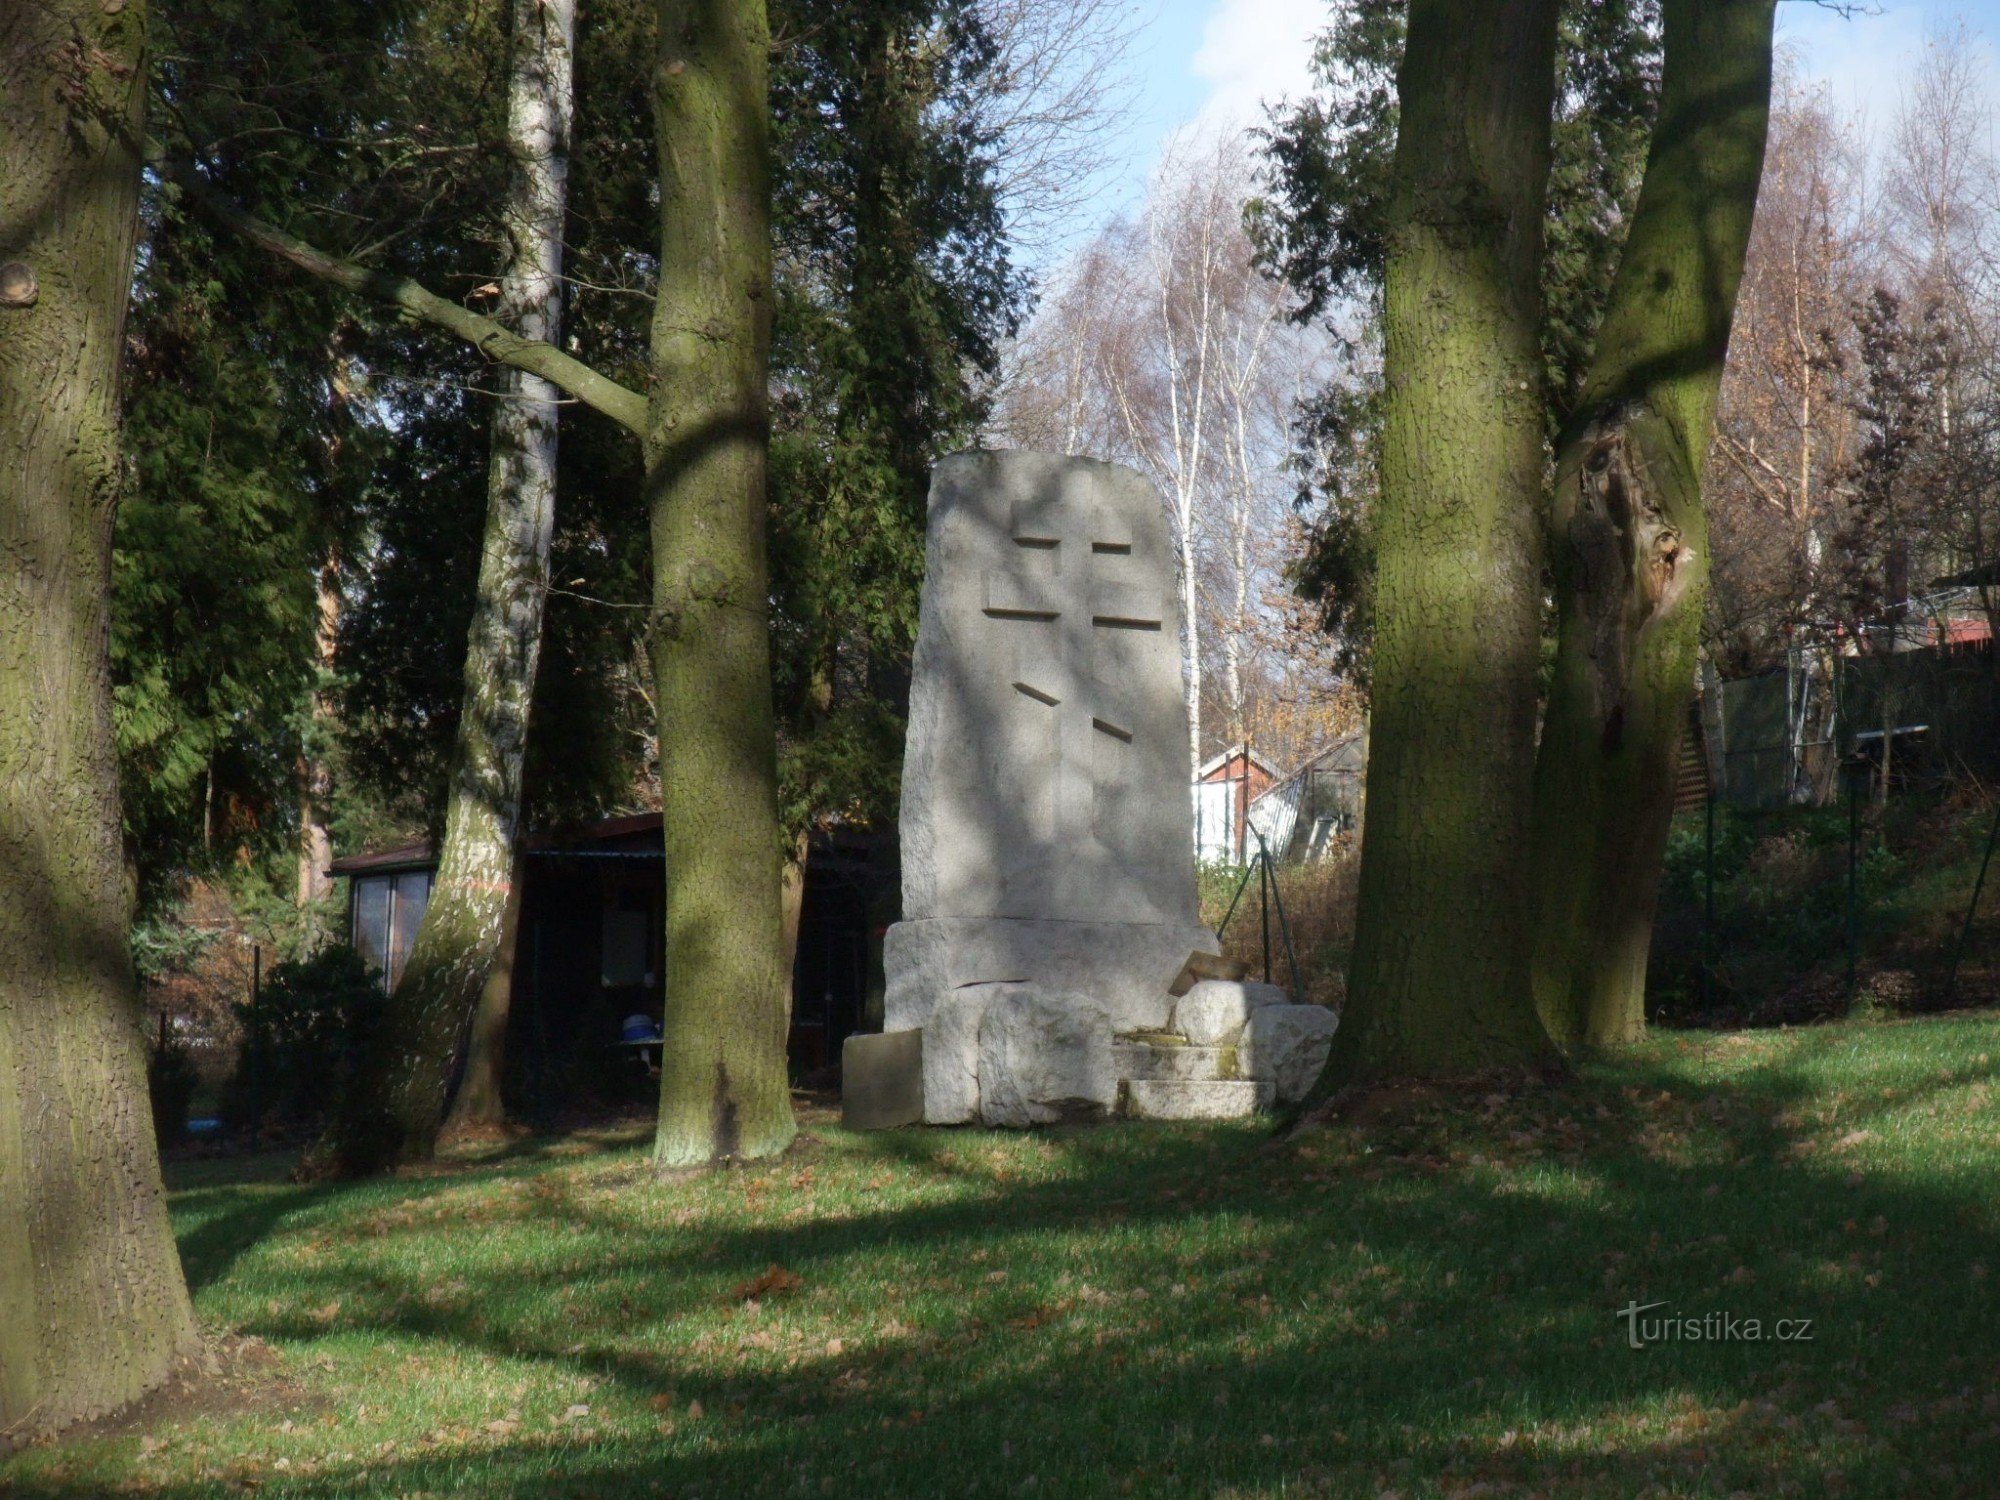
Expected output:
{"points": [[1214, 63]]}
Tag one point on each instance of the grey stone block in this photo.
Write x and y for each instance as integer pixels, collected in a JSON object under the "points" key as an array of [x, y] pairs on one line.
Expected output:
{"points": [[1125, 967], [1215, 1010], [1288, 1044], [1046, 771], [951, 1056], [1043, 1058], [1193, 1099], [1149, 1061], [882, 1080]]}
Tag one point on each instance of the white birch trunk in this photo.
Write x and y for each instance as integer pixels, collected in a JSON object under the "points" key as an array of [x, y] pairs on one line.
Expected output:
{"points": [[396, 1115]]}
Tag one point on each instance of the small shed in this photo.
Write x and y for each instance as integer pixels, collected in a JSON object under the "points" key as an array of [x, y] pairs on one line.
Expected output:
{"points": [[591, 945], [1224, 789]]}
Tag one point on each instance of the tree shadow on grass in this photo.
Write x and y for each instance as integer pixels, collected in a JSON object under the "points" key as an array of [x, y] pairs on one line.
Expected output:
{"points": [[1425, 1306]]}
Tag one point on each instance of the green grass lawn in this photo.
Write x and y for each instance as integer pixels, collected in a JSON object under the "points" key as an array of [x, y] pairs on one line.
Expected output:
{"points": [[1422, 1302]]}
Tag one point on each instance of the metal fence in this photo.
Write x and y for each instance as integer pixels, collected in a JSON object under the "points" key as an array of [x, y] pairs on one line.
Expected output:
{"points": [[1912, 716]]}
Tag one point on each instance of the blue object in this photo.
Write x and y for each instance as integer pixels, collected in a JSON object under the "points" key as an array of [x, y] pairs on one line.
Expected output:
{"points": [[639, 1029]]}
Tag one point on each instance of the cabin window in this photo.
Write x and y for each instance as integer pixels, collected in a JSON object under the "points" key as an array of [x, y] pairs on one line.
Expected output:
{"points": [[387, 912], [627, 934]]}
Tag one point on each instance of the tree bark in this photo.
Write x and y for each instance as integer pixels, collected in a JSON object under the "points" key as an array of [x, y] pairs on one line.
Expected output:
{"points": [[1629, 535], [724, 1093], [93, 1308], [396, 1105], [479, 1102], [1440, 922]]}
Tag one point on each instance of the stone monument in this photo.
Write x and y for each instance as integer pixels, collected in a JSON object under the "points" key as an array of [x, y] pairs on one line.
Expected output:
{"points": [[1047, 820]]}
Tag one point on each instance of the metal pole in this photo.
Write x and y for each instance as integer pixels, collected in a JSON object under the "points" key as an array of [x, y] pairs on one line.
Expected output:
{"points": [[1971, 908], [256, 971], [1708, 908], [1853, 846], [1284, 926], [1264, 891], [1240, 885]]}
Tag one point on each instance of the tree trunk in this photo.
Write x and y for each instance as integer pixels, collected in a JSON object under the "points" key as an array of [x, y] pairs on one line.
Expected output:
{"points": [[315, 784], [394, 1110], [479, 1103], [93, 1308], [1439, 926], [1629, 534], [791, 906], [724, 1093]]}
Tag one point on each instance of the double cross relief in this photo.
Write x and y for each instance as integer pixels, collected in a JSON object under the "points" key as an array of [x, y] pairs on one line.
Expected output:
{"points": [[1075, 602]]}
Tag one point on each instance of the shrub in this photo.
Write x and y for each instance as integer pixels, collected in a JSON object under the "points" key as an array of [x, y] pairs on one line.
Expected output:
{"points": [[1318, 900], [302, 1037], [171, 1080]]}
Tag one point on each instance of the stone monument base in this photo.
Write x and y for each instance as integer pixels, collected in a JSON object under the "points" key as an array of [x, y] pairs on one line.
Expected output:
{"points": [[1123, 968]]}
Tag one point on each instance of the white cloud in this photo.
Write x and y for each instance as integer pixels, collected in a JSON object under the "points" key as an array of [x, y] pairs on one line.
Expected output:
{"points": [[1252, 53]]}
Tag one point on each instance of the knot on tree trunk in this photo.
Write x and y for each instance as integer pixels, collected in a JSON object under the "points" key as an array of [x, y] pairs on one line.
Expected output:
{"points": [[1626, 554]]}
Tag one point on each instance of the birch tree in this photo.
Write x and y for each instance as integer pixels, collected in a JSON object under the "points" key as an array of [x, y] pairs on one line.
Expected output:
{"points": [[394, 1110], [93, 1308], [1163, 346], [702, 426]]}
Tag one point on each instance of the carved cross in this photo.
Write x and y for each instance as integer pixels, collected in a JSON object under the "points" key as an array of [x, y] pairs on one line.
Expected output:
{"points": [[1069, 571]]}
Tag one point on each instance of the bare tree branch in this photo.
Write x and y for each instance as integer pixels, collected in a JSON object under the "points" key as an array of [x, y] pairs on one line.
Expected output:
{"points": [[490, 337]]}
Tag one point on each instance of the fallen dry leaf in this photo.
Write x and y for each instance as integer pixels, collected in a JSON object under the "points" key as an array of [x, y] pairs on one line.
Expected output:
{"points": [[776, 1281]]}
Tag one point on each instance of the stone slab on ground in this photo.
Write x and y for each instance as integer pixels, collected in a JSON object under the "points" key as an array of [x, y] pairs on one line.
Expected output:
{"points": [[1214, 1011], [1190, 1099], [1288, 1044], [882, 1080], [1044, 1057]]}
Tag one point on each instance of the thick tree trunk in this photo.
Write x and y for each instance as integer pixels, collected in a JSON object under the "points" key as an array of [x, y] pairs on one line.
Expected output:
{"points": [[479, 1102], [93, 1309], [395, 1109], [724, 1093], [1440, 929], [1629, 534]]}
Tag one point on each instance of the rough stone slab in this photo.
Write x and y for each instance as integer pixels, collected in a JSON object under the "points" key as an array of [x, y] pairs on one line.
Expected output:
{"points": [[1125, 967], [951, 1056], [1045, 775], [882, 1080], [1288, 1045], [1043, 1057], [1190, 1099], [1215, 1010], [1147, 1062]]}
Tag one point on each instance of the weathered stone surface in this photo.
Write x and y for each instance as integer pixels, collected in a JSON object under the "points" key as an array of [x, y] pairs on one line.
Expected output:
{"points": [[1123, 966], [1043, 1057], [882, 1080], [951, 1056], [1047, 830], [1193, 1099], [1215, 1010], [1288, 1044], [1149, 1060]]}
